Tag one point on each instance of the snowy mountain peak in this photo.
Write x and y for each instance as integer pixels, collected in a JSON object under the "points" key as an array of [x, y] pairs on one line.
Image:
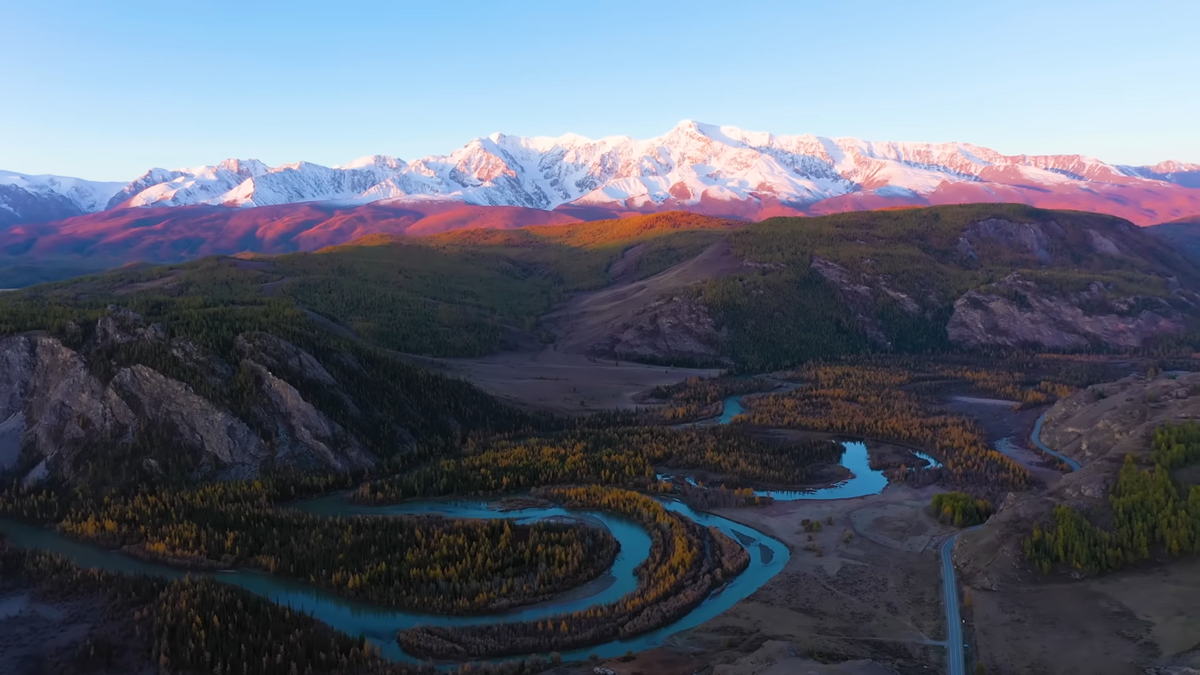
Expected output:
{"points": [[32, 198], [376, 161], [244, 167], [692, 165]]}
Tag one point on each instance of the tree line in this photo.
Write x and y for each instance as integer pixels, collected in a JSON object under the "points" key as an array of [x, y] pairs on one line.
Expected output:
{"points": [[619, 456], [686, 563], [1151, 513], [960, 509], [451, 566], [870, 401]]}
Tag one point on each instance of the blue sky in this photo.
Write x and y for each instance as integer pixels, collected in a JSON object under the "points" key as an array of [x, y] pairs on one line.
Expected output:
{"points": [[105, 90]]}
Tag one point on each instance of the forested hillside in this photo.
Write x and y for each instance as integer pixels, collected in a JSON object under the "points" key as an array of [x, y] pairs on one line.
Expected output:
{"points": [[194, 372], [465, 292], [944, 278], [784, 290], [1155, 509], [1183, 235]]}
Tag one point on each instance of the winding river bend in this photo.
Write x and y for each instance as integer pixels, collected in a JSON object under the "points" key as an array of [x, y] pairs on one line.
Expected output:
{"points": [[379, 624], [863, 480], [1036, 436]]}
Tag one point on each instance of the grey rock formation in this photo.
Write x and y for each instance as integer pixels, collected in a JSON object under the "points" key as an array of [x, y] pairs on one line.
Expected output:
{"points": [[301, 434], [860, 293], [1016, 313], [65, 407], [676, 328], [207, 366], [12, 430], [280, 355], [289, 361], [1032, 238], [196, 421], [122, 326], [53, 406]]}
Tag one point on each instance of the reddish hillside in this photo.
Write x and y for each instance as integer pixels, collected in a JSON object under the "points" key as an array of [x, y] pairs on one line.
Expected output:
{"points": [[1137, 204], [592, 233], [171, 234]]}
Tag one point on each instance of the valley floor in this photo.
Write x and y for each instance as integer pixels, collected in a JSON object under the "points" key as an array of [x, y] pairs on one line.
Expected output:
{"points": [[547, 379], [866, 588], [43, 633], [1111, 625], [869, 602]]}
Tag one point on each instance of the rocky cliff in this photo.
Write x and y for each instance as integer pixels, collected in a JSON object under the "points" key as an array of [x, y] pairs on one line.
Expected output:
{"points": [[860, 293], [1097, 427], [71, 412], [1016, 313], [968, 277], [674, 328]]}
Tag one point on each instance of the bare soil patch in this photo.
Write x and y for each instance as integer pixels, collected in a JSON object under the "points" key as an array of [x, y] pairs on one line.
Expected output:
{"points": [[627, 263], [589, 317], [549, 379], [562, 378], [865, 587], [1114, 625]]}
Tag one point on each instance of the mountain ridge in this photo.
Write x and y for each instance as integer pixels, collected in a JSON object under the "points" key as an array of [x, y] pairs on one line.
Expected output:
{"points": [[694, 166]]}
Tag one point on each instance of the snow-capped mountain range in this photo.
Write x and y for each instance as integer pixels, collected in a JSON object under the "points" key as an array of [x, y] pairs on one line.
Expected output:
{"points": [[695, 166], [39, 198]]}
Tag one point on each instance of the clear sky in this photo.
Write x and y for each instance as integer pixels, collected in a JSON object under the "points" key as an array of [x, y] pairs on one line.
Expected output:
{"points": [[105, 90]]}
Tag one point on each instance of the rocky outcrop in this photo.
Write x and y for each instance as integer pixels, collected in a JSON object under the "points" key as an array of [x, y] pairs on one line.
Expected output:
{"points": [[302, 435], [212, 369], [58, 416], [289, 361], [675, 328], [196, 421], [280, 356], [65, 407], [1015, 313], [122, 326], [1098, 427], [1034, 239], [860, 293]]}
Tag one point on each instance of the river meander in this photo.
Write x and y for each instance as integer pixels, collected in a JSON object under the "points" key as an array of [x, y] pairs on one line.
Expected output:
{"points": [[863, 480], [379, 624]]}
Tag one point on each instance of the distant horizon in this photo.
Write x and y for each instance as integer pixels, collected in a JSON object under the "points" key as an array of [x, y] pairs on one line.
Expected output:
{"points": [[106, 91], [583, 137]]}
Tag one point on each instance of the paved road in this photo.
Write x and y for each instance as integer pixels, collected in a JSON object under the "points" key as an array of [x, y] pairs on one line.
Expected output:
{"points": [[955, 654]]}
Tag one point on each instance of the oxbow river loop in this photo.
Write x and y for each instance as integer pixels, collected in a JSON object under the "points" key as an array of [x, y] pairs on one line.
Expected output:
{"points": [[379, 624]]}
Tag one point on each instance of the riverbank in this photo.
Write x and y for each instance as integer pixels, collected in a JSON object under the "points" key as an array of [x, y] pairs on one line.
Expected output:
{"points": [[866, 585], [854, 543], [379, 625], [1136, 620]]}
